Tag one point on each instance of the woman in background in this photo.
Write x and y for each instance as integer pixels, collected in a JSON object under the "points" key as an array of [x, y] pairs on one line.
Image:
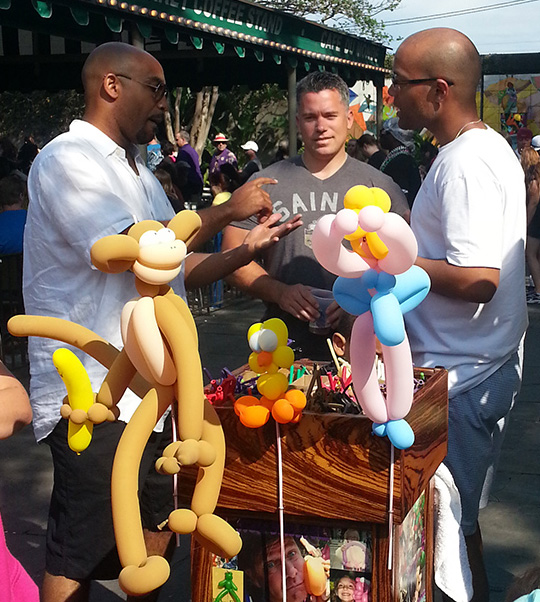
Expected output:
{"points": [[530, 161]]}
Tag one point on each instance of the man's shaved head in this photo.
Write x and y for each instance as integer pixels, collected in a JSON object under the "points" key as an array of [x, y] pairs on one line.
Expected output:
{"points": [[436, 75], [446, 54], [120, 91], [112, 57]]}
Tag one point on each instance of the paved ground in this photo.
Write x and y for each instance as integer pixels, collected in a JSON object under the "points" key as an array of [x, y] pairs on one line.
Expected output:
{"points": [[510, 524]]}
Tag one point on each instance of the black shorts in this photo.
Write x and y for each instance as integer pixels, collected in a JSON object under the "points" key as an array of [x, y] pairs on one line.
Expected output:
{"points": [[80, 538]]}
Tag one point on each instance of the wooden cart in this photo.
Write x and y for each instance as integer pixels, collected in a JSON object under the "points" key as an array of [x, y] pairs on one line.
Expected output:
{"points": [[336, 474]]}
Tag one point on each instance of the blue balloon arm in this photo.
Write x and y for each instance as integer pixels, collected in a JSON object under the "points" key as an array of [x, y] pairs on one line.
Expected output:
{"points": [[411, 288], [387, 319]]}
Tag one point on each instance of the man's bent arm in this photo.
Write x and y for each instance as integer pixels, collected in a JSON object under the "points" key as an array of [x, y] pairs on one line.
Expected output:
{"points": [[295, 299], [250, 199], [251, 278], [473, 284], [203, 268]]}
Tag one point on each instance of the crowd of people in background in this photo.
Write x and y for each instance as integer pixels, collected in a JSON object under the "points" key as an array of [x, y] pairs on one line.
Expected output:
{"points": [[528, 149], [191, 180], [14, 167], [400, 154]]}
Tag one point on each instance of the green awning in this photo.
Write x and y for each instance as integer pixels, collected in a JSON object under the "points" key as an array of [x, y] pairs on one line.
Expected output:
{"points": [[175, 31]]}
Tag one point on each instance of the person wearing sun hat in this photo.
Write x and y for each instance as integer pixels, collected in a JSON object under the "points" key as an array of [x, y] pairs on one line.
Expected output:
{"points": [[535, 143], [399, 164], [251, 148], [221, 155]]}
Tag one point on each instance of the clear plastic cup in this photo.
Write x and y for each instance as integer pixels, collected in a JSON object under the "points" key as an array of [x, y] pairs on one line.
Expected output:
{"points": [[321, 325]]}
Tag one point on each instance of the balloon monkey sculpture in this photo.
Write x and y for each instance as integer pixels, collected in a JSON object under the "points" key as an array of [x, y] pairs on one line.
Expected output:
{"points": [[378, 282], [160, 345]]}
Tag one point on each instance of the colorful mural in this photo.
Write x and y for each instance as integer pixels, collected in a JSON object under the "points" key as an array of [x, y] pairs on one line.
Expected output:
{"points": [[363, 103], [511, 102]]}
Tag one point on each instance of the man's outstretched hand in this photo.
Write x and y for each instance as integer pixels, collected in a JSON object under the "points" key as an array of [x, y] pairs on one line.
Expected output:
{"points": [[250, 199], [267, 233]]}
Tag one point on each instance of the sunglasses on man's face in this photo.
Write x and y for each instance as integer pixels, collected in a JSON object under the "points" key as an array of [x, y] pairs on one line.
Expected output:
{"points": [[400, 83], [159, 90]]}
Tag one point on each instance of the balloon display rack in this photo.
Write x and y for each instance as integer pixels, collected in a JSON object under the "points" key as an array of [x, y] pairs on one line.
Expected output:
{"points": [[336, 476]]}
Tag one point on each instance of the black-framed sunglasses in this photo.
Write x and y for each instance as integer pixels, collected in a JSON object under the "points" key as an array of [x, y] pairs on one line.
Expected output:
{"points": [[159, 90], [411, 82]]}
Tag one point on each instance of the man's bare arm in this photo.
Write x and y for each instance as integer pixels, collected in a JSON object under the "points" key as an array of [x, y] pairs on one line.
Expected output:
{"points": [[255, 280], [204, 268], [477, 285], [250, 199]]}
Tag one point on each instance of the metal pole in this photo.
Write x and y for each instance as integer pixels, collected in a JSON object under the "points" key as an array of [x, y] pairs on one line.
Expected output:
{"points": [[291, 93], [482, 83], [136, 37], [379, 109]]}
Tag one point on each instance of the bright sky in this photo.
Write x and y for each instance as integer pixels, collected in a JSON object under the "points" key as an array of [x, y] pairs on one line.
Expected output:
{"points": [[512, 28]]}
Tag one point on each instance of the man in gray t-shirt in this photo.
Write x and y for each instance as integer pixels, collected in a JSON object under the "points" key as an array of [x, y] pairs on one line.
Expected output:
{"points": [[310, 185]]}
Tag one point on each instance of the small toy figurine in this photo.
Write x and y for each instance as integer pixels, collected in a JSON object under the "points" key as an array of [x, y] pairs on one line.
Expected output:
{"points": [[228, 587]]}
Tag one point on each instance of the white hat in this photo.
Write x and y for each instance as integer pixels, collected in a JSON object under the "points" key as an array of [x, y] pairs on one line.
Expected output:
{"points": [[535, 142], [404, 136], [250, 145]]}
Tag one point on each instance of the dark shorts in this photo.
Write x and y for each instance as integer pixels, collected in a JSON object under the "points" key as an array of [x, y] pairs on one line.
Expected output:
{"points": [[533, 229], [80, 538]]}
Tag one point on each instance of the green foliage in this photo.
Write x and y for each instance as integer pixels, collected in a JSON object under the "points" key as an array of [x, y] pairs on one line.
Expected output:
{"points": [[259, 115], [243, 114], [41, 114], [389, 62], [353, 16]]}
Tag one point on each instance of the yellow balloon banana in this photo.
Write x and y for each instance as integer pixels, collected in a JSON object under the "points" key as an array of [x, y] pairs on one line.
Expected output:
{"points": [[80, 396]]}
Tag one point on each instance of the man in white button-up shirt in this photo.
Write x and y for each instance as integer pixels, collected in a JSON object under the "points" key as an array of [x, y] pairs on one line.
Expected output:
{"points": [[88, 183]]}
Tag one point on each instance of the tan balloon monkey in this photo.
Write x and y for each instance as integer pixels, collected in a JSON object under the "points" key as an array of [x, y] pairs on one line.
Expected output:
{"points": [[161, 346]]}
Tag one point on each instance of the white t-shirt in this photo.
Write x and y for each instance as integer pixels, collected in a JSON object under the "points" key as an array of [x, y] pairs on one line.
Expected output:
{"points": [[81, 189], [471, 212]]}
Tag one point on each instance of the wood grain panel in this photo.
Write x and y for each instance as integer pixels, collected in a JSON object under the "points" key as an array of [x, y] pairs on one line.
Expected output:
{"points": [[333, 467], [334, 471]]}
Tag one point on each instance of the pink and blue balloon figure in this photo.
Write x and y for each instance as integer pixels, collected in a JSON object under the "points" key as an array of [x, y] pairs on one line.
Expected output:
{"points": [[377, 282]]}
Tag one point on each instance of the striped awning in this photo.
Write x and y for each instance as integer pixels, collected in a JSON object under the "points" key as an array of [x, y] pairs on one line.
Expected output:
{"points": [[199, 42]]}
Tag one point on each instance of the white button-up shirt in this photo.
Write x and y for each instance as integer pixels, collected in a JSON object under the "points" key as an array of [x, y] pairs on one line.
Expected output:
{"points": [[81, 189]]}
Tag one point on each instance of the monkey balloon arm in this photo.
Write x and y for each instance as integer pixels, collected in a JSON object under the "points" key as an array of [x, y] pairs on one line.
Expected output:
{"points": [[176, 328], [117, 380], [72, 334]]}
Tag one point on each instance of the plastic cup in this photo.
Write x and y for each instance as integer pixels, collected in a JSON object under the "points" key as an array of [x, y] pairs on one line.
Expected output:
{"points": [[321, 325]]}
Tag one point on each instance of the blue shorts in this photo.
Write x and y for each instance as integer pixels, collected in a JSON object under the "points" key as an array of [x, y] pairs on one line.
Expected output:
{"points": [[477, 422], [80, 537]]}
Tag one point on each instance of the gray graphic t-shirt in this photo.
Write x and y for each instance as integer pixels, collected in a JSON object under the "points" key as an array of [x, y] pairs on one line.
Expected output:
{"points": [[299, 192]]}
